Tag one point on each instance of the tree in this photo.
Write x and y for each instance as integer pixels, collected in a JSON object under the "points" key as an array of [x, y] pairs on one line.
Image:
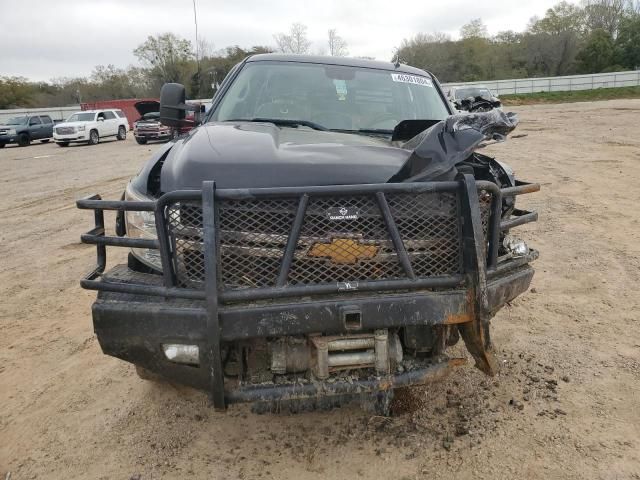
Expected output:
{"points": [[430, 51], [604, 14], [293, 42], [167, 56], [474, 29], [216, 66], [337, 44], [597, 54], [552, 42], [628, 42], [15, 92], [564, 17]]}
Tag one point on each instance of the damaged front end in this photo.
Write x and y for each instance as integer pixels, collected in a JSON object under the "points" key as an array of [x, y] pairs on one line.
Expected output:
{"points": [[320, 293]]}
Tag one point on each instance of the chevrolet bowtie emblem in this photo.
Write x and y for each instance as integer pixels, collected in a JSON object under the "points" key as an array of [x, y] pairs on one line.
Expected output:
{"points": [[343, 250]]}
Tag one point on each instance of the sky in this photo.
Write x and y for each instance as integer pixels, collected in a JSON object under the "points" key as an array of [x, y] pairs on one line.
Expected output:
{"points": [[45, 39]]}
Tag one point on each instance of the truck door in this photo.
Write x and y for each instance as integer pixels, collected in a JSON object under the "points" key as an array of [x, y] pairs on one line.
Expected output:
{"points": [[103, 126], [112, 122], [47, 126], [35, 128]]}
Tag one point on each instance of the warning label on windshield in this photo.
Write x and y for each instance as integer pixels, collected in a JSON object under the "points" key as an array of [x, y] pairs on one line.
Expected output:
{"points": [[416, 80]]}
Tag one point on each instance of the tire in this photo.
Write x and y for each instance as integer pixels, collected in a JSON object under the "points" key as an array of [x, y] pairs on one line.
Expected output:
{"points": [[2, 145], [45, 140], [122, 133], [141, 140], [94, 138], [24, 140], [63, 144]]}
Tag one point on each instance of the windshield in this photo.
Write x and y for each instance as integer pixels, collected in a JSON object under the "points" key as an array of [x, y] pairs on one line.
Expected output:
{"points": [[81, 117], [329, 96], [463, 93], [17, 121]]}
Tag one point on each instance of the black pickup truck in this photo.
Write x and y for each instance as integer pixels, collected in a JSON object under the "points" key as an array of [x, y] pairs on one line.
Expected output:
{"points": [[23, 129], [325, 234]]}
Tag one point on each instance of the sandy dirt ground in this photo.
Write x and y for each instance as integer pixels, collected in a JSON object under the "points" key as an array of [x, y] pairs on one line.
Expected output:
{"points": [[566, 403]]}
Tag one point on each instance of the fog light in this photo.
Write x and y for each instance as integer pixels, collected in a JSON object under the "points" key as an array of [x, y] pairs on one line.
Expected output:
{"points": [[515, 246], [186, 354]]}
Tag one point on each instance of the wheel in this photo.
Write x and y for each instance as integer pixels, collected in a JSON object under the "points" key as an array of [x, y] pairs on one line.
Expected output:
{"points": [[45, 140], [122, 133], [63, 144], [94, 138], [2, 145], [141, 140], [24, 140]]}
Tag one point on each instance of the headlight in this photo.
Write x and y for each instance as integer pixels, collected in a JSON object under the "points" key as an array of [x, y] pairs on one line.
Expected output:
{"points": [[142, 225], [11, 131], [516, 246], [81, 128]]}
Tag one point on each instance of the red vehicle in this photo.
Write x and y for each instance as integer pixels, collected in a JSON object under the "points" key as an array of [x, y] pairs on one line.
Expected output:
{"points": [[126, 105], [148, 126]]}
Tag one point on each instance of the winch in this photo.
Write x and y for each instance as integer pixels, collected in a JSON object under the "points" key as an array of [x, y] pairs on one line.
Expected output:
{"points": [[380, 350]]}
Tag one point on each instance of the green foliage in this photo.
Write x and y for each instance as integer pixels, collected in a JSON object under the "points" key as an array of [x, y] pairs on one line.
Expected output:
{"points": [[597, 53], [588, 38], [564, 17], [167, 57], [474, 29], [628, 42], [16, 92]]}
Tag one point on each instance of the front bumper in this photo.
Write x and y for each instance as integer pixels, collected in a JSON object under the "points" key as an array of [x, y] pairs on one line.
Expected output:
{"points": [[137, 313], [8, 139], [152, 135], [134, 327], [73, 137]]}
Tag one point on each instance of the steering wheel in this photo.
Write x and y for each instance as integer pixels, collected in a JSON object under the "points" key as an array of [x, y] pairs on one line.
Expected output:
{"points": [[282, 106]]}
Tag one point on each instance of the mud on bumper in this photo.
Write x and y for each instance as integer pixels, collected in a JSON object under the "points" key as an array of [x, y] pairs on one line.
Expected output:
{"points": [[136, 313]]}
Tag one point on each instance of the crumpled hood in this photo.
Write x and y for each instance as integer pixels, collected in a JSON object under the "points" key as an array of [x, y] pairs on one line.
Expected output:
{"points": [[250, 155]]}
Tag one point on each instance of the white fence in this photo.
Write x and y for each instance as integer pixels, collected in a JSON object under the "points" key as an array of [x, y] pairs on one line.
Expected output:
{"points": [[56, 113], [62, 113], [557, 84], [498, 87]]}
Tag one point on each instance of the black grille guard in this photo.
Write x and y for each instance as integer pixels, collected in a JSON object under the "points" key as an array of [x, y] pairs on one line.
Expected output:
{"points": [[466, 189], [479, 250]]}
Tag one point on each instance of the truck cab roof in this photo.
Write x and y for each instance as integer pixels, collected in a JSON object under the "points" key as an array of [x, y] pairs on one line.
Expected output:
{"points": [[344, 61]]}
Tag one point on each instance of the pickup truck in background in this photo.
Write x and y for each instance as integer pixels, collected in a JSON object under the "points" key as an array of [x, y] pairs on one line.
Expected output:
{"points": [[23, 129]]}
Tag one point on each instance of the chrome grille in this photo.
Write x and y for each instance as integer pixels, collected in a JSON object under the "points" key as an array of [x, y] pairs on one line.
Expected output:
{"points": [[65, 130]]}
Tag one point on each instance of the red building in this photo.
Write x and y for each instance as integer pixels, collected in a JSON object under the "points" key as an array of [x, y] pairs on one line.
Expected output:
{"points": [[126, 105]]}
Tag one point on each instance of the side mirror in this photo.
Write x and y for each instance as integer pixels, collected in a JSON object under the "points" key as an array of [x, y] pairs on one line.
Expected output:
{"points": [[172, 104]]}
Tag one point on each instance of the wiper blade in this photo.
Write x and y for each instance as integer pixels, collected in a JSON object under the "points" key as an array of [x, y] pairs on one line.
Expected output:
{"points": [[284, 122], [374, 131]]}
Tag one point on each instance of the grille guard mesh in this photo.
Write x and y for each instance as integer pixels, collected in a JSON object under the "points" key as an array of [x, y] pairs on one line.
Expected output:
{"points": [[354, 247]]}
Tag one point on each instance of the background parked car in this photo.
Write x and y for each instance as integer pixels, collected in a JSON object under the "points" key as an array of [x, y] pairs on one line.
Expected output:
{"points": [[148, 126], [473, 99], [22, 130], [91, 126]]}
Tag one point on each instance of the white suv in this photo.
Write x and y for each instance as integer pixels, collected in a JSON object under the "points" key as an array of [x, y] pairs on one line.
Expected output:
{"points": [[90, 126]]}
